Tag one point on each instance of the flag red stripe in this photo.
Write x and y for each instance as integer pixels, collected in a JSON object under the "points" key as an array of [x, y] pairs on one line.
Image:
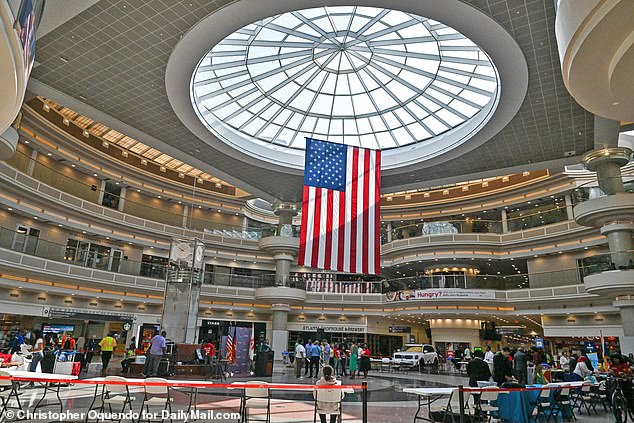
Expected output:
{"points": [[328, 229], [377, 213], [303, 232], [366, 206], [341, 233], [353, 207], [316, 228]]}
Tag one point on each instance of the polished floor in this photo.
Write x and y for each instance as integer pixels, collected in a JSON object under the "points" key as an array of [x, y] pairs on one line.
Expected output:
{"points": [[387, 403]]}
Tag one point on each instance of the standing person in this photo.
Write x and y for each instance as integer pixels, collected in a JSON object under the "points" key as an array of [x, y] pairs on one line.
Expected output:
{"points": [[354, 354], [620, 368], [107, 345], [364, 360], [520, 365], [300, 357], [315, 356], [564, 362], [308, 347], [209, 350], [327, 407], [155, 353], [345, 346], [336, 359], [502, 370], [90, 348], [467, 354], [37, 353], [327, 353], [17, 341], [488, 358], [478, 370], [343, 359]]}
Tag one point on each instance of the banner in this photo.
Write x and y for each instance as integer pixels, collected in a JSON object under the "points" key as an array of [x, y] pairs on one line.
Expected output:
{"points": [[441, 294]]}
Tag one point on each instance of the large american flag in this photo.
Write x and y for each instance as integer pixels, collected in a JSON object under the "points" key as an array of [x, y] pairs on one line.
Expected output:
{"points": [[340, 209]]}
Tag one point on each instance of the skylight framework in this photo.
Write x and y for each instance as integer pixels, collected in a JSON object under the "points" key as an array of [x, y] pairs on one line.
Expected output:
{"points": [[363, 76]]}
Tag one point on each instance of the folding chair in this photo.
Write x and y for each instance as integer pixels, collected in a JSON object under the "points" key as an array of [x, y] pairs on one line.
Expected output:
{"points": [[334, 396], [256, 398], [116, 394], [562, 402], [584, 398], [8, 390], [453, 405], [599, 395], [487, 403], [542, 405], [151, 398]]}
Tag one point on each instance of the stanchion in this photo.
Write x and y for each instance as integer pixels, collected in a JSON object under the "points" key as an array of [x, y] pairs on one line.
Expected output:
{"points": [[364, 399], [461, 399]]}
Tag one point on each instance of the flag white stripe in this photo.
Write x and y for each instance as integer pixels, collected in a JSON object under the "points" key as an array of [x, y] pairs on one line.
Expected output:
{"points": [[371, 211], [348, 209], [360, 214], [310, 224], [321, 255], [334, 256]]}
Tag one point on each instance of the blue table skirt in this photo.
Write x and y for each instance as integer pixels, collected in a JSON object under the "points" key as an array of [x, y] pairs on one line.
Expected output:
{"points": [[517, 406]]}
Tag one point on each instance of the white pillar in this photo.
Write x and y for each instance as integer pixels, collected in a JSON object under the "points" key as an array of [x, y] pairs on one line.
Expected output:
{"points": [[124, 190], [279, 337], [32, 162]]}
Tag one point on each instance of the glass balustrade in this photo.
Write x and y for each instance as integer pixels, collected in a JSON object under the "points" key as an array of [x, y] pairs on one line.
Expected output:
{"points": [[598, 188]]}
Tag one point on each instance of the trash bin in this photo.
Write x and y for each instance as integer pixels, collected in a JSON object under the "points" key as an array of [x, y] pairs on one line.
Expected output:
{"points": [[264, 364]]}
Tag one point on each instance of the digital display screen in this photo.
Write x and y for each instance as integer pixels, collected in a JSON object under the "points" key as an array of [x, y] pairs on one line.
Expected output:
{"points": [[58, 329]]}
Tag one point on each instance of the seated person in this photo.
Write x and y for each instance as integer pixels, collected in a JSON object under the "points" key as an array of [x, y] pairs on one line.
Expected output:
{"points": [[540, 378], [130, 356], [324, 408]]}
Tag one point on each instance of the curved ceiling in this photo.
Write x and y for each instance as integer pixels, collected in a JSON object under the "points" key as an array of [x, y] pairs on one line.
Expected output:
{"points": [[111, 59], [362, 76]]}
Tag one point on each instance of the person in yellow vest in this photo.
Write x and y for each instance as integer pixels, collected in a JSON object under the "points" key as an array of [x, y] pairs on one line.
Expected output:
{"points": [[107, 345]]}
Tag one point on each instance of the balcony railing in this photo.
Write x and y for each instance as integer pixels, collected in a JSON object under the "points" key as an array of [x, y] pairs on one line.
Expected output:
{"points": [[596, 189], [191, 213]]}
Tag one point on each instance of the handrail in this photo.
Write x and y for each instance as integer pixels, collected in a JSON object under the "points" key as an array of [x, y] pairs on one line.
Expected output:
{"points": [[592, 189], [92, 193]]}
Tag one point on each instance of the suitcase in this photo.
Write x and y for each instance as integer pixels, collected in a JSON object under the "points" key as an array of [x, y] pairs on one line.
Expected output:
{"points": [[164, 367]]}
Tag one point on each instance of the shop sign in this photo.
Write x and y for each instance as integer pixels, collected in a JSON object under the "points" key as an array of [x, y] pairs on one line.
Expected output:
{"points": [[539, 342], [59, 313], [441, 294], [327, 328], [400, 329]]}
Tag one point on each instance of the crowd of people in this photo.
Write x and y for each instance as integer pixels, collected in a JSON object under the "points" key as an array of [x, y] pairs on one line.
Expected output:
{"points": [[346, 359]]}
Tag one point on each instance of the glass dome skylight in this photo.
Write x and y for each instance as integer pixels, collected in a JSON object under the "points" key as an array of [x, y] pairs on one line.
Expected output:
{"points": [[362, 76]]}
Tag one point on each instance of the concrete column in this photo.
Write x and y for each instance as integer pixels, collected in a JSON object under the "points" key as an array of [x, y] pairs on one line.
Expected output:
{"points": [[124, 190], [32, 162], [505, 223], [621, 243], [389, 231], [282, 268], [102, 190], [609, 177], [279, 337], [569, 213], [185, 215]]}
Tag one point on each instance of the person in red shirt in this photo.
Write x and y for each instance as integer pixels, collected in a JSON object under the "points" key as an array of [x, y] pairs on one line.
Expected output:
{"points": [[210, 351], [620, 368]]}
